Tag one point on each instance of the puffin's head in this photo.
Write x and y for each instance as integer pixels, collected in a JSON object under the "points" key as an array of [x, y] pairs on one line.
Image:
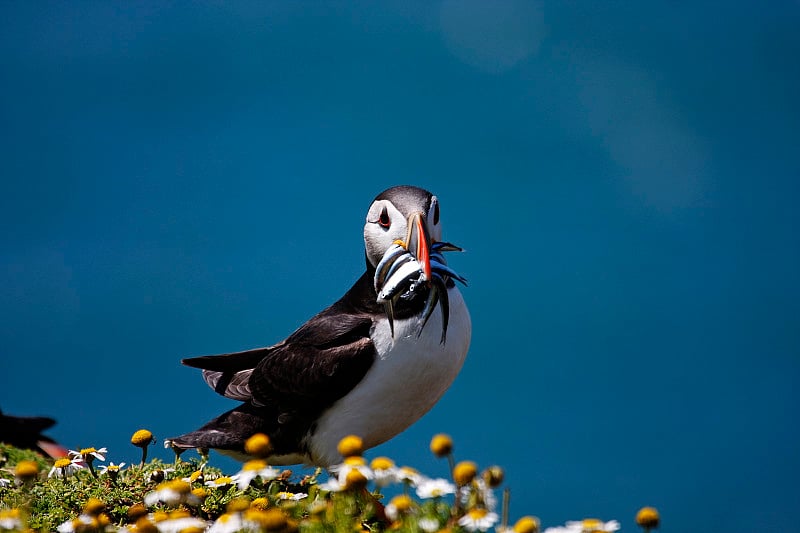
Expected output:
{"points": [[405, 214]]}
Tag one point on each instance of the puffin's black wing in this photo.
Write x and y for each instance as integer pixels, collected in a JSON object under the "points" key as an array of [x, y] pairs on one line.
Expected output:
{"points": [[229, 374], [322, 360], [287, 386]]}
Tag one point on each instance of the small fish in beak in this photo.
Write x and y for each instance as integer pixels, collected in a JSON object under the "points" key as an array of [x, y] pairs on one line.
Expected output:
{"points": [[401, 274]]}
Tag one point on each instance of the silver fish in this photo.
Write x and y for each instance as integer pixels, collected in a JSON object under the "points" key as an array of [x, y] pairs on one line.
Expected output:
{"points": [[400, 275]]}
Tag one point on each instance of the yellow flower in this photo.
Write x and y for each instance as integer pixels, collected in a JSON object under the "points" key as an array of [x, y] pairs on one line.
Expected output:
{"points": [[27, 469], [11, 520], [381, 463], [220, 482], [441, 445], [350, 446], [478, 520], [464, 472], [142, 438], [402, 503], [260, 503], [94, 506], [527, 524], [136, 511], [354, 479], [258, 445], [270, 519], [195, 476], [143, 525], [237, 505], [648, 518]]}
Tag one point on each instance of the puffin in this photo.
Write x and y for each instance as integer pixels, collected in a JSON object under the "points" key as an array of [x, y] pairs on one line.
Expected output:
{"points": [[358, 367]]}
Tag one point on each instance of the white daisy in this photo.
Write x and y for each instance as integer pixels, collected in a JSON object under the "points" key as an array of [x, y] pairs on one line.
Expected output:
{"points": [[294, 496], [588, 525], [71, 525], [406, 474], [227, 523], [65, 467], [484, 492], [10, 520], [175, 525], [111, 470], [332, 485], [478, 520], [172, 493], [428, 524], [222, 481], [88, 455], [253, 469], [385, 471], [435, 488], [5, 482], [351, 463]]}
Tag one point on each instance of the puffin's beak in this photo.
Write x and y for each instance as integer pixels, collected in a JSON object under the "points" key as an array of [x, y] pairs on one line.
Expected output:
{"points": [[418, 242]]}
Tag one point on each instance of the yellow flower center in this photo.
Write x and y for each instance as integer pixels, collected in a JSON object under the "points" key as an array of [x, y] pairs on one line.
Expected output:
{"points": [[194, 476], [136, 511], [238, 505], [160, 516], [178, 485], [381, 463], [222, 481], [87, 451], [355, 479], [113, 468], [62, 463], [142, 438], [180, 513], [255, 464], [355, 460], [477, 514], [526, 524], [271, 519], [402, 503], [258, 445], [94, 506], [648, 517], [200, 492], [143, 525], [591, 524], [441, 445], [464, 472], [260, 503], [192, 529], [27, 469], [351, 445]]}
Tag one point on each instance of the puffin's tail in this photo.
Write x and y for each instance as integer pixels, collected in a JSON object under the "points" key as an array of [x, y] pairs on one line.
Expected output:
{"points": [[227, 433]]}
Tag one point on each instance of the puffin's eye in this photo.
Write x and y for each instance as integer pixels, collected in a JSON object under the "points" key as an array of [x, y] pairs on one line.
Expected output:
{"points": [[436, 214], [383, 220]]}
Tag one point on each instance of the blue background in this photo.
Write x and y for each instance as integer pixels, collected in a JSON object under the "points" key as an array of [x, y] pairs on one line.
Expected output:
{"points": [[185, 179]]}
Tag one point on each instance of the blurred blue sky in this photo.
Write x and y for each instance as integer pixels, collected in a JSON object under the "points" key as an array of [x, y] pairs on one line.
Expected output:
{"points": [[190, 178]]}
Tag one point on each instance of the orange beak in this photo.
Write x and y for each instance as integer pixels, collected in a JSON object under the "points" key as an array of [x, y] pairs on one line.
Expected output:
{"points": [[418, 242]]}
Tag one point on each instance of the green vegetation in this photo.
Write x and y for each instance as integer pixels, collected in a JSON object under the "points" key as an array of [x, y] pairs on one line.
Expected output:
{"points": [[78, 494]]}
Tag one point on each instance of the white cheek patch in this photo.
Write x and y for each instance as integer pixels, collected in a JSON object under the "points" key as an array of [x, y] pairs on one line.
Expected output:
{"points": [[378, 239]]}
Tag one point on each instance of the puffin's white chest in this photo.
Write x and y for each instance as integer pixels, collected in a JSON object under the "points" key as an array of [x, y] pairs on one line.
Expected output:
{"points": [[408, 377]]}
